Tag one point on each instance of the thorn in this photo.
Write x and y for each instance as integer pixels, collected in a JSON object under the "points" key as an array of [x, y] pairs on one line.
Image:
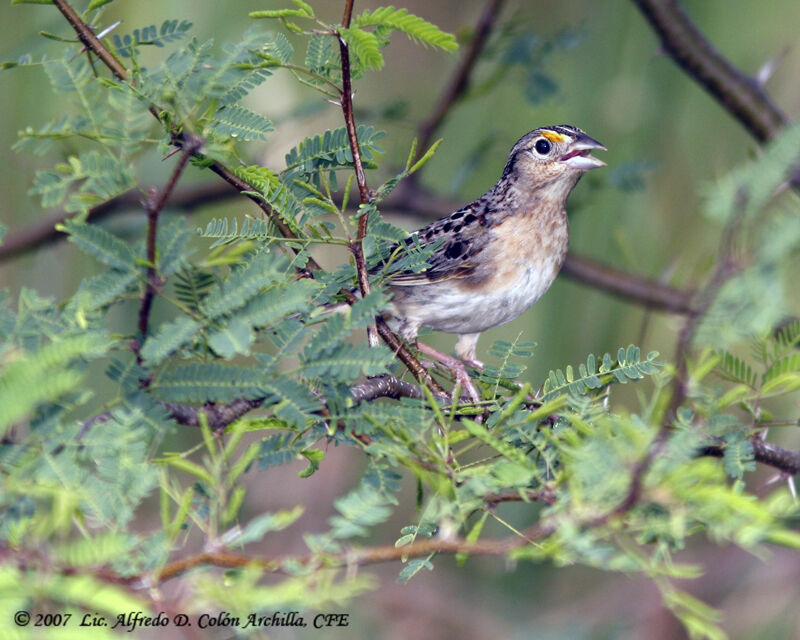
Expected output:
{"points": [[108, 30], [171, 153], [792, 490], [769, 67], [102, 34], [774, 479]]}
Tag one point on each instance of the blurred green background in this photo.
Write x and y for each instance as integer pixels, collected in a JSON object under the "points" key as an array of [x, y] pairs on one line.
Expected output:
{"points": [[596, 65]]}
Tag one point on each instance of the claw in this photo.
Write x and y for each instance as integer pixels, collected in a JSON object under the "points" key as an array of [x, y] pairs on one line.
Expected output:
{"points": [[456, 367]]}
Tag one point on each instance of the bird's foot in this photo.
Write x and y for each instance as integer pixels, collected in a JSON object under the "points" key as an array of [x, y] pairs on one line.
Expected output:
{"points": [[457, 368]]}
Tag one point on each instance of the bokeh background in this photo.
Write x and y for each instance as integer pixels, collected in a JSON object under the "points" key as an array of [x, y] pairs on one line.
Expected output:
{"points": [[593, 64]]}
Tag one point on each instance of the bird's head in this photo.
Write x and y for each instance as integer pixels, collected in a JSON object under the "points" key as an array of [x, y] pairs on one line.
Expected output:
{"points": [[555, 156]]}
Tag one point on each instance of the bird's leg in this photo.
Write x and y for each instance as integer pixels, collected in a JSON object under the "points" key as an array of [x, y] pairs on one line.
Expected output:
{"points": [[465, 349], [457, 368]]}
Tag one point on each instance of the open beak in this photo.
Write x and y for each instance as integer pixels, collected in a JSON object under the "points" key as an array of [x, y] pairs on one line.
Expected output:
{"points": [[577, 156]]}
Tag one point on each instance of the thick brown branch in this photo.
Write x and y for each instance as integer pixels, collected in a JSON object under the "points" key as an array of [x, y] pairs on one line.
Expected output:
{"points": [[384, 387], [218, 416], [740, 94], [629, 286], [546, 495], [459, 81], [765, 453]]}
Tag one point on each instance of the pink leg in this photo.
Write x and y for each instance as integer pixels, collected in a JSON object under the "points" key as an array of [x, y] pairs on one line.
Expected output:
{"points": [[457, 368]]}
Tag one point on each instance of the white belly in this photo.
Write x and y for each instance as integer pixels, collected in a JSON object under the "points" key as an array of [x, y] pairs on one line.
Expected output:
{"points": [[444, 308]]}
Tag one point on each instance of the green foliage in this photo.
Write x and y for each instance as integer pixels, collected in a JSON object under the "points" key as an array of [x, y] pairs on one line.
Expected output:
{"points": [[366, 506], [256, 350], [239, 122], [170, 31], [332, 151], [530, 53], [628, 366], [413, 26]]}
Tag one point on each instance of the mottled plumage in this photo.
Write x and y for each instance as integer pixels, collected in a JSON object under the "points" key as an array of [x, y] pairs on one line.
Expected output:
{"points": [[501, 252]]}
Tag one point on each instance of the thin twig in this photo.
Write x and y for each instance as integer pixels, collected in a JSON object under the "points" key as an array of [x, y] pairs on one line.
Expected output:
{"points": [[459, 81], [356, 247], [154, 207], [91, 41], [380, 327], [98, 48], [354, 557]]}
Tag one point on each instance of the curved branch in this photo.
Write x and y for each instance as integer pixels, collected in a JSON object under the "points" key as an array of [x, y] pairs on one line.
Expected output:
{"points": [[740, 94], [384, 387], [355, 557], [218, 416], [459, 81]]}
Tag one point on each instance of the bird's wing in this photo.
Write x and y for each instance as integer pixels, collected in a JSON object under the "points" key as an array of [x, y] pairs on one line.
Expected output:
{"points": [[464, 235]]}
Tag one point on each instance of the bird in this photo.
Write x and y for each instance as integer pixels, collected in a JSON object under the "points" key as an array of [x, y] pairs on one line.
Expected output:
{"points": [[497, 255]]}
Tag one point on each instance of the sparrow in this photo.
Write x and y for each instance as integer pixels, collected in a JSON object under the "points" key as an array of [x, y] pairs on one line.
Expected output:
{"points": [[497, 255]]}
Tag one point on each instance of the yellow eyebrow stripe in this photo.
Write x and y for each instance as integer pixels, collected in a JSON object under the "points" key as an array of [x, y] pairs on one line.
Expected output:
{"points": [[552, 136]]}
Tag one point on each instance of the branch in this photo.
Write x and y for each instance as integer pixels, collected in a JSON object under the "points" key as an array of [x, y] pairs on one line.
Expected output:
{"points": [[384, 387], [547, 495], [629, 286], [459, 81], [242, 185], [724, 270], [43, 232], [98, 48], [218, 416], [356, 247], [740, 94], [154, 207], [91, 41], [380, 327], [771, 455], [355, 557]]}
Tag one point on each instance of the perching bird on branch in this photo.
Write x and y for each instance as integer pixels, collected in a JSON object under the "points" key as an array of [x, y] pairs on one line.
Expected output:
{"points": [[500, 253]]}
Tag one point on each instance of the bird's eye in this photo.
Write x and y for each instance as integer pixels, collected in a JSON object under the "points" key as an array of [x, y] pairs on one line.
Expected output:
{"points": [[542, 147]]}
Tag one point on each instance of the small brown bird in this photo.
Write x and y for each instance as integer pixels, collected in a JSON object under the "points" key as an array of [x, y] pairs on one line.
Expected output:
{"points": [[500, 253]]}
